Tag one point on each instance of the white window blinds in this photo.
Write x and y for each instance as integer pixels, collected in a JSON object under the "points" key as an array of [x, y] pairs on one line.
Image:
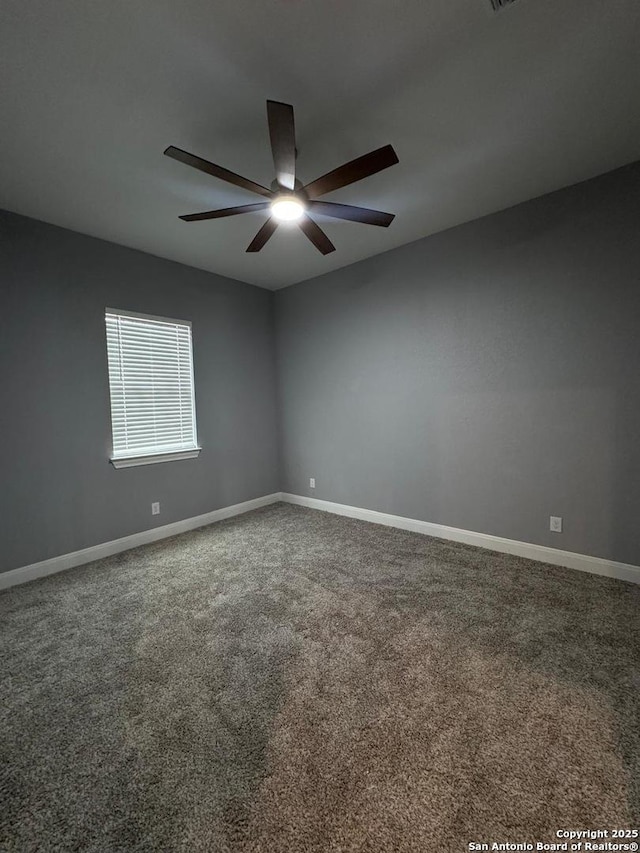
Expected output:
{"points": [[151, 385]]}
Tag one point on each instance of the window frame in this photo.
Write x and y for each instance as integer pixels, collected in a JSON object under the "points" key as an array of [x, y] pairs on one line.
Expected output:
{"points": [[122, 461]]}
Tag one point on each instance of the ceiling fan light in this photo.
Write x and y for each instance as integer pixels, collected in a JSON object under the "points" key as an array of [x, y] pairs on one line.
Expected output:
{"points": [[287, 208]]}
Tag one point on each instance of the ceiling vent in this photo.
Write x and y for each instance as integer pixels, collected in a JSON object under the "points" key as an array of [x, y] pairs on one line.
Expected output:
{"points": [[497, 5]]}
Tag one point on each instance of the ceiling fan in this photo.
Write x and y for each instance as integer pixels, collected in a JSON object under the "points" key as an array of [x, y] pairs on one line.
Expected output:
{"points": [[288, 199]]}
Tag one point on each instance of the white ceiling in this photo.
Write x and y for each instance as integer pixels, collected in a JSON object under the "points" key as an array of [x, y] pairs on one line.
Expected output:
{"points": [[484, 110]]}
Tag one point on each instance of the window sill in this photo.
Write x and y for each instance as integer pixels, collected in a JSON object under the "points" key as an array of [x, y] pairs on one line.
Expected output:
{"points": [[153, 459]]}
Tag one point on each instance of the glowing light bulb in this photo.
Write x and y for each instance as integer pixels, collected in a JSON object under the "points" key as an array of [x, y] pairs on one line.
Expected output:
{"points": [[287, 208]]}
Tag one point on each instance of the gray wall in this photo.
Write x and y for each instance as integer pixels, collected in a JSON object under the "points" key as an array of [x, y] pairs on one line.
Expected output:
{"points": [[58, 492], [485, 378]]}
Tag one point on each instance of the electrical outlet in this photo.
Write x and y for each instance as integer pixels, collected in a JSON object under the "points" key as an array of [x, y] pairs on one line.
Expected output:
{"points": [[155, 508], [312, 482], [555, 523]]}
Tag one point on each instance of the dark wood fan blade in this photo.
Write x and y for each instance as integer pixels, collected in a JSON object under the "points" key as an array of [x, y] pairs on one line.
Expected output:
{"points": [[263, 235], [316, 235], [283, 142], [356, 170], [216, 171], [227, 211], [356, 214]]}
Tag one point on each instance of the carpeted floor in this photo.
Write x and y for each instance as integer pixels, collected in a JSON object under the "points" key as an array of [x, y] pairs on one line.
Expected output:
{"points": [[295, 681]]}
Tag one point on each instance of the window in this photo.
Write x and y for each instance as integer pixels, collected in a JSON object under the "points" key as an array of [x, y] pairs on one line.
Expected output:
{"points": [[153, 414]]}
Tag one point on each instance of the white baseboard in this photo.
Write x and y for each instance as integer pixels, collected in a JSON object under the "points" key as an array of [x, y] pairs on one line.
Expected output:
{"points": [[541, 553], [106, 549]]}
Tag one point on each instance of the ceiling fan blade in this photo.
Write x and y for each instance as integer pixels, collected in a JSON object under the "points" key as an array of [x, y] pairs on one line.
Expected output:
{"points": [[263, 235], [227, 211], [356, 214], [316, 235], [216, 171], [355, 170], [283, 142]]}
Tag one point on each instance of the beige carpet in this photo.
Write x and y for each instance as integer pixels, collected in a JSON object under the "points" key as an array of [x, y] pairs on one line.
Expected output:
{"points": [[295, 681]]}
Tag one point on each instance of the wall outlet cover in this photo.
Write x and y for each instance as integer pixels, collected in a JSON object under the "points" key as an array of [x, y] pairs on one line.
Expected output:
{"points": [[155, 508], [312, 482], [555, 523]]}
